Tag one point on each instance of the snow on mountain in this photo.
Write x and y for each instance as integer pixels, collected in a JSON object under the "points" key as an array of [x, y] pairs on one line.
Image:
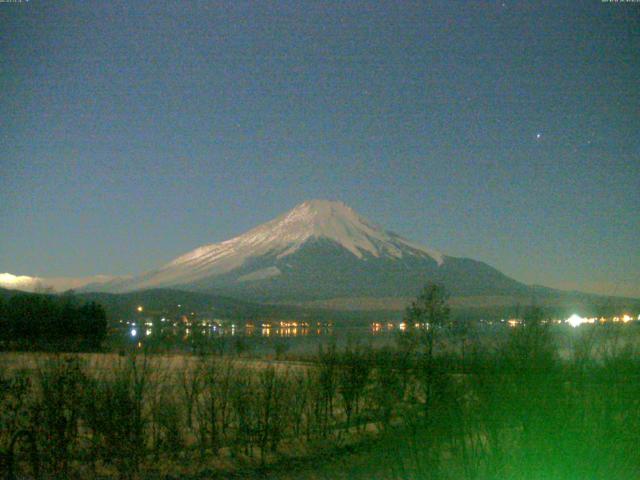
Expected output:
{"points": [[320, 250], [283, 236]]}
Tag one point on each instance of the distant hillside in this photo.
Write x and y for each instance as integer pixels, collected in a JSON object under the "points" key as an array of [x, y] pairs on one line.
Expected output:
{"points": [[172, 302], [349, 310]]}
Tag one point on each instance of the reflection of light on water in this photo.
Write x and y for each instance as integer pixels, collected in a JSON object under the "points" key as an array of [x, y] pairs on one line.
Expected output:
{"points": [[212, 329], [249, 329], [209, 330], [288, 332]]}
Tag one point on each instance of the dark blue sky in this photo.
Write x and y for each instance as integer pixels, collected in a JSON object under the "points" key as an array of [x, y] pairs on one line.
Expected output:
{"points": [[508, 131]]}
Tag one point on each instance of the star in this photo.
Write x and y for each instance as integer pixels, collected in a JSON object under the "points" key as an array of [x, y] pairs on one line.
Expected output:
{"points": [[538, 136]]}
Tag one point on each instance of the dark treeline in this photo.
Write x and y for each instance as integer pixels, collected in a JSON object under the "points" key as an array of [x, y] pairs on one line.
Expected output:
{"points": [[49, 322]]}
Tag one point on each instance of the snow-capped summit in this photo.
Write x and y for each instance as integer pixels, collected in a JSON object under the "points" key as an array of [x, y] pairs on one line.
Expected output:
{"points": [[283, 236], [313, 219], [340, 223], [319, 249]]}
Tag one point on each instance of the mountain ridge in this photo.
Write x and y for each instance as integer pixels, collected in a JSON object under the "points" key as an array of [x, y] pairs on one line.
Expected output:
{"points": [[317, 250], [283, 236]]}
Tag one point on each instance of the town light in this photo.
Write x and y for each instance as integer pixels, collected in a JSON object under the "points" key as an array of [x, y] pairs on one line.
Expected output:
{"points": [[575, 320]]}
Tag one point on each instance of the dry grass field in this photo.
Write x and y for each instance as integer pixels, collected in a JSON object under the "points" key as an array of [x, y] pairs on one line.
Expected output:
{"points": [[512, 408]]}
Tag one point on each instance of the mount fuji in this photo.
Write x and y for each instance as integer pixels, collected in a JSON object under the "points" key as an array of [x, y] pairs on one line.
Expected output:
{"points": [[319, 250]]}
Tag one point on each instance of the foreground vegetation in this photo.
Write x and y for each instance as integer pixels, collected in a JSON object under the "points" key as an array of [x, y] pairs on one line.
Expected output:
{"points": [[509, 409], [514, 412]]}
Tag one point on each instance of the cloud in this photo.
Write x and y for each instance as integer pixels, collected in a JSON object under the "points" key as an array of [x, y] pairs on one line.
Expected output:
{"points": [[57, 284]]}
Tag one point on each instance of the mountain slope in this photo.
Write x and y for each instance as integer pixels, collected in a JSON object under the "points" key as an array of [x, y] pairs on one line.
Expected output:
{"points": [[280, 238], [323, 269], [319, 250]]}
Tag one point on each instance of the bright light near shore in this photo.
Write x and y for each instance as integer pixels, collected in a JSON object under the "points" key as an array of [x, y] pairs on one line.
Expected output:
{"points": [[140, 308], [134, 332], [575, 320]]}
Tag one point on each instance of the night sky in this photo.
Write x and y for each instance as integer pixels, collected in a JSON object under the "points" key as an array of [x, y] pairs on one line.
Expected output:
{"points": [[508, 132]]}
